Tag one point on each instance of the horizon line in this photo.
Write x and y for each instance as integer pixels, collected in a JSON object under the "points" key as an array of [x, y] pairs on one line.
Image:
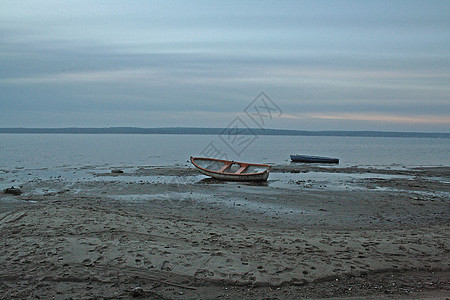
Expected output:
{"points": [[217, 130]]}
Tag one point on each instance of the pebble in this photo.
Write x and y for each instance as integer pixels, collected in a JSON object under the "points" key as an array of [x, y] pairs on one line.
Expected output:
{"points": [[13, 191], [138, 291]]}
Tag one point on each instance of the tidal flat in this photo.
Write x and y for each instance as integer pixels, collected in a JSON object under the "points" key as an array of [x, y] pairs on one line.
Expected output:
{"points": [[168, 232]]}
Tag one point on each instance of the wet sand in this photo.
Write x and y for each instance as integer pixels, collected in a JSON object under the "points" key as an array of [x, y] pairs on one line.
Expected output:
{"points": [[171, 233]]}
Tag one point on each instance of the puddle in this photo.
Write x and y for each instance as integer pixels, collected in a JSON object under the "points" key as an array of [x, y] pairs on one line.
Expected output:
{"points": [[154, 179], [168, 196], [321, 180], [224, 201]]}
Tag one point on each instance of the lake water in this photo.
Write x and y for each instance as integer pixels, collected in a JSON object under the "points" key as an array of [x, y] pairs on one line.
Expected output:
{"points": [[33, 151]]}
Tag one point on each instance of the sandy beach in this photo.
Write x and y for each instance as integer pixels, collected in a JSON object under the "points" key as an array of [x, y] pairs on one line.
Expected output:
{"points": [[170, 233]]}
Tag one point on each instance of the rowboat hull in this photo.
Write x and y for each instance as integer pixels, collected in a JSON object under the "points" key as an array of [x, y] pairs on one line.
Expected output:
{"points": [[314, 159], [231, 170]]}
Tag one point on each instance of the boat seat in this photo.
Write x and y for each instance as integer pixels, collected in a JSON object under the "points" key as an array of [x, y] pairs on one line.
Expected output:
{"points": [[226, 166], [241, 169]]}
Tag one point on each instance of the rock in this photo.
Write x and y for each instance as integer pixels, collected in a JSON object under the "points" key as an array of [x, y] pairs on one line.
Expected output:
{"points": [[167, 266], [298, 281], [13, 190], [138, 292]]}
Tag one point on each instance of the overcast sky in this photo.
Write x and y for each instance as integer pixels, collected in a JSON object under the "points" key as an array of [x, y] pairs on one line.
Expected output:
{"points": [[328, 65]]}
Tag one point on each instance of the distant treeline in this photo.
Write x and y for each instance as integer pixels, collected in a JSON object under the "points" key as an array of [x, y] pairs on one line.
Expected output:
{"points": [[217, 131]]}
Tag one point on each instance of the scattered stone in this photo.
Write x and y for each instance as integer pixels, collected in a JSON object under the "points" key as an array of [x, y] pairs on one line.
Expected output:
{"points": [[138, 292], [298, 282], [13, 191], [167, 266]]}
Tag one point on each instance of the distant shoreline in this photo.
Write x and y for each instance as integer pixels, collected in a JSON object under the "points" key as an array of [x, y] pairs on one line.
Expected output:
{"points": [[217, 131]]}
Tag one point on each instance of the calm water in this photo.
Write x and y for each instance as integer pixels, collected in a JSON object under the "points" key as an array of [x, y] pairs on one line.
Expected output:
{"points": [[32, 151]]}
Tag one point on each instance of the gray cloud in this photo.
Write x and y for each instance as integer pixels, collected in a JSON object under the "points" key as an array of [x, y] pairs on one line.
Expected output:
{"points": [[162, 64]]}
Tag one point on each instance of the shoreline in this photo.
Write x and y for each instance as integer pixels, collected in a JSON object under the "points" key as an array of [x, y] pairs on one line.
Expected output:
{"points": [[311, 231]]}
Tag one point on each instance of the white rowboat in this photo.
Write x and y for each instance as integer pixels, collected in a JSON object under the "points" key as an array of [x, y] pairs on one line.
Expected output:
{"points": [[231, 170]]}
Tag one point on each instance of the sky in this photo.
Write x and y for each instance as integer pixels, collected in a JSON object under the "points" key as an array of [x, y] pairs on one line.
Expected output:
{"points": [[325, 65]]}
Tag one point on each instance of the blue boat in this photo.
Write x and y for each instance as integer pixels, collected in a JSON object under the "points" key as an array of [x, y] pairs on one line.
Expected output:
{"points": [[314, 159]]}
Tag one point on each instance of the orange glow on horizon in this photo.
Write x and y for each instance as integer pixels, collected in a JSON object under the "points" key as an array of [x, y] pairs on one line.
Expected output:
{"points": [[416, 119]]}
